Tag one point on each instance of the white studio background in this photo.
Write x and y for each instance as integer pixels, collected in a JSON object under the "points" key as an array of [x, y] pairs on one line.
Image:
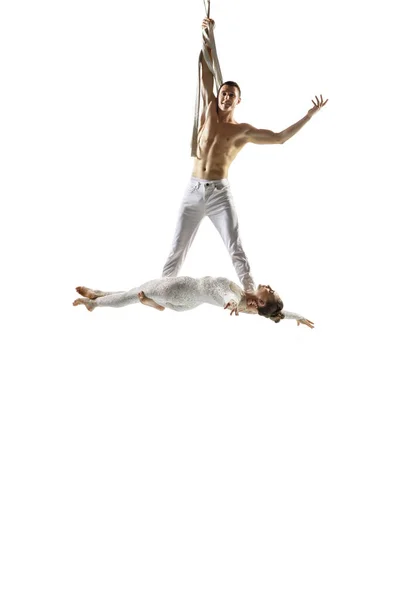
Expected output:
{"points": [[195, 455]]}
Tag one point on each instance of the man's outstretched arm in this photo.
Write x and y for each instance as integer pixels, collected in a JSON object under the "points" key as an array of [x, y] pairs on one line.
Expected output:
{"points": [[207, 78], [264, 136]]}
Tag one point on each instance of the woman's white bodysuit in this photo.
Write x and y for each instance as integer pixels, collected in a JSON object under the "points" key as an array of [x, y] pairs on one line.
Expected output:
{"points": [[178, 293], [182, 293]]}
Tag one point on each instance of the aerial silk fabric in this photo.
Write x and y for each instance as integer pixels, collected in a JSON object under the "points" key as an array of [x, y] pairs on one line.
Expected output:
{"points": [[212, 62]]}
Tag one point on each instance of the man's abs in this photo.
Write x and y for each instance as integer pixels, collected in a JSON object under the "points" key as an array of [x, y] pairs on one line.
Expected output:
{"points": [[218, 145]]}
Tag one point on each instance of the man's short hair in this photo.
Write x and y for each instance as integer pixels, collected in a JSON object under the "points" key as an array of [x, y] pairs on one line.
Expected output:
{"points": [[232, 84]]}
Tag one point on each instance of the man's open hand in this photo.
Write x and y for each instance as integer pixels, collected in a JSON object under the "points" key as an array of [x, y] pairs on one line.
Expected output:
{"points": [[320, 102]]}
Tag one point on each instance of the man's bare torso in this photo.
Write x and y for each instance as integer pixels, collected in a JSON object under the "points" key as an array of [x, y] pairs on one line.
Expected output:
{"points": [[218, 144]]}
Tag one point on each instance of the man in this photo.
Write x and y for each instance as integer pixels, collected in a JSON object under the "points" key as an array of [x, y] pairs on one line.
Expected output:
{"points": [[220, 138]]}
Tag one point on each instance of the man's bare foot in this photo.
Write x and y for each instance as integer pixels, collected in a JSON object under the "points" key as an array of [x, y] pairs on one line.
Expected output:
{"points": [[86, 302], [88, 293]]}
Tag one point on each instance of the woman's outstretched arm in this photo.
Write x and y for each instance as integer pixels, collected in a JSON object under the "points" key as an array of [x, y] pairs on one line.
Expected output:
{"points": [[299, 318]]}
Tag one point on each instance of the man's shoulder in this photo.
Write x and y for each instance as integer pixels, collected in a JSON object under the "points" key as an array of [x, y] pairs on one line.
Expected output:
{"points": [[242, 131], [246, 127]]}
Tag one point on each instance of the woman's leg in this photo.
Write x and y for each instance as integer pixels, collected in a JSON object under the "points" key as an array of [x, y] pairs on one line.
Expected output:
{"points": [[114, 300], [92, 294]]}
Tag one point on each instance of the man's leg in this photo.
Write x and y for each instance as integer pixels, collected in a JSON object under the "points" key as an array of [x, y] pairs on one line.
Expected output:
{"points": [[221, 210], [190, 215]]}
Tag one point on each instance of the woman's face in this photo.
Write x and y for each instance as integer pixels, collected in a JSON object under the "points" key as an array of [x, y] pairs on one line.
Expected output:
{"points": [[259, 298], [263, 294]]}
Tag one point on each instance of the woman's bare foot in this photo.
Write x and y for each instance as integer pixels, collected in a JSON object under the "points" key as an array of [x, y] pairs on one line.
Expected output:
{"points": [[86, 302], [88, 293], [149, 302]]}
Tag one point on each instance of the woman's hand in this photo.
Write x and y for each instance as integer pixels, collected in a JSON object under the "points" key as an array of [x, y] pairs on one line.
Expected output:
{"points": [[232, 305], [309, 324]]}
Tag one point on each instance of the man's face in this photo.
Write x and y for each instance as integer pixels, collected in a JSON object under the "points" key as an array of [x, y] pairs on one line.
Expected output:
{"points": [[228, 98]]}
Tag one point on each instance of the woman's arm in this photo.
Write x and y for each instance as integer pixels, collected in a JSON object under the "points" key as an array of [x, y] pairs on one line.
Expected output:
{"points": [[299, 318], [232, 297]]}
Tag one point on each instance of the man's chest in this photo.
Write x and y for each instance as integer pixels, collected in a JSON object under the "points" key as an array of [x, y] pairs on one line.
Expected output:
{"points": [[222, 135]]}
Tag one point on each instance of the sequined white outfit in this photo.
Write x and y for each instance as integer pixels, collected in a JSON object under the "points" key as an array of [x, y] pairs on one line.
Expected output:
{"points": [[181, 294]]}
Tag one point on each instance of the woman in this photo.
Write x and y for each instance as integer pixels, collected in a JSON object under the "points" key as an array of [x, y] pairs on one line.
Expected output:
{"points": [[186, 293]]}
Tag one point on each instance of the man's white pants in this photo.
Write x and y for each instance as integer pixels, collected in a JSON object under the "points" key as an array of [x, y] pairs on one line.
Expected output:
{"points": [[211, 199]]}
